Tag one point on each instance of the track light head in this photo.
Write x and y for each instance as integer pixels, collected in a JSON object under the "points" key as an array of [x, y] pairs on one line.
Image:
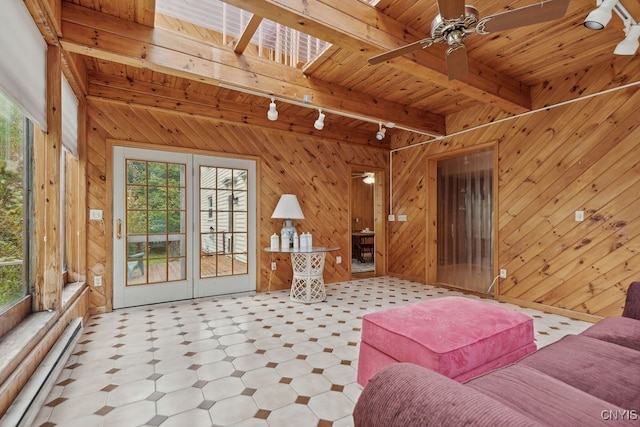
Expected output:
{"points": [[272, 114], [319, 123], [381, 132], [600, 17], [630, 44]]}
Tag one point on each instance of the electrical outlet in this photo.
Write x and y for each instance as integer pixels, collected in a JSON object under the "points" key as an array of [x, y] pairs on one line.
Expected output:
{"points": [[338, 259], [579, 216], [402, 218], [97, 281], [503, 273], [273, 265], [391, 217]]}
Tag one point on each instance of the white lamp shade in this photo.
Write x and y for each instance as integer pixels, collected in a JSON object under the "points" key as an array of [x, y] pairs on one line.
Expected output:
{"points": [[288, 208], [272, 114], [319, 123], [600, 17], [630, 44]]}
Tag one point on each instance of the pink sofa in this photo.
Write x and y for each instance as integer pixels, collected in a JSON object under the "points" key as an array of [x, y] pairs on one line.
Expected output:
{"points": [[588, 379]]}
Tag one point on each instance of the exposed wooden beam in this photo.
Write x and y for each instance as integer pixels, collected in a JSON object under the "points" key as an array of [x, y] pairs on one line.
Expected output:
{"points": [[47, 18], [145, 12], [247, 33], [102, 36], [120, 89], [310, 67], [354, 25]]}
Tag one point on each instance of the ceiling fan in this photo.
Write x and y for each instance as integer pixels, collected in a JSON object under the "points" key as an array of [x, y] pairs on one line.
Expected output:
{"points": [[367, 177], [457, 21]]}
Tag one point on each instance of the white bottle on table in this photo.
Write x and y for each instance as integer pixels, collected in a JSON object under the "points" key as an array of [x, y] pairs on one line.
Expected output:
{"points": [[296, 241], [275, 242]]}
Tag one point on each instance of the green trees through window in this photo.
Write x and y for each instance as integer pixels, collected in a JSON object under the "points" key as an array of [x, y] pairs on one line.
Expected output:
{"points": [[12, 212]]}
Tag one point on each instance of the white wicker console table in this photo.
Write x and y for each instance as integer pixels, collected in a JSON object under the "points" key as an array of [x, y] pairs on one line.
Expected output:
{"points": [[307, 285]]}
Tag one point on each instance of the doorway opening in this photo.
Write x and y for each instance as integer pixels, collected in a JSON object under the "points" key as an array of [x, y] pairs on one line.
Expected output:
{"points": [[465, 206], [366, 227]]}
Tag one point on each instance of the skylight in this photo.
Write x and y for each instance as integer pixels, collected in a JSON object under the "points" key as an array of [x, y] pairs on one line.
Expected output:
{"points": [[273, 41]]}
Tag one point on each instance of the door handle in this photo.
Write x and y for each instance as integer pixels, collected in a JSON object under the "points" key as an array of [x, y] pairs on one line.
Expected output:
{"points": [[118, 229]]}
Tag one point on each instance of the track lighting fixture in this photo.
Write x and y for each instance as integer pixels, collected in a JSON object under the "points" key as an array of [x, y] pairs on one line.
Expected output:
{"points": [[272, 114], [600, 17], [381, 132], [319, 123], [630, 44]]}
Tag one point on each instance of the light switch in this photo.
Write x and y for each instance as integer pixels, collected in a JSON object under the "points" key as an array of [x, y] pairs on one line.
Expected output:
{"points": [[391, 217], [95, 214], [579, 216]]}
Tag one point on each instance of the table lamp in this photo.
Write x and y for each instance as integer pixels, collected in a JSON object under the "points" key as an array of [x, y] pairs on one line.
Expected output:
{"points": [[288, 209]]}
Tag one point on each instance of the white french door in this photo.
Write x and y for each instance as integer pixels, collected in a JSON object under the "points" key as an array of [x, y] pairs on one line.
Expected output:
{"points": [[184, 226]]}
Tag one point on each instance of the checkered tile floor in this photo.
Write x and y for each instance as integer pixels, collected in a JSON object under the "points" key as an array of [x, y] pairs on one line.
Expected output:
{"points": [[252, 360]]}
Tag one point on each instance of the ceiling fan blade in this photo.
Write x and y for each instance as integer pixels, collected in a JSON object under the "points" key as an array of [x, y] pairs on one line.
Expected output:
{"points": [[528, 15], [457, 61], [451, 9], [400, 51]]}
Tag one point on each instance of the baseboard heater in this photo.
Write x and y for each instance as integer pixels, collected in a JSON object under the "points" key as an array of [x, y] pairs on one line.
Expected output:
{"points": [[26, 406]]}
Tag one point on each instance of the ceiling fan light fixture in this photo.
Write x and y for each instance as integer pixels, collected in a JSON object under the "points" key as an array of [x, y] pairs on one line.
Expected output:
{"points": [[369, 178], [272, 114], [630, 44], [381, 132], [600, 17], [319, 123]]}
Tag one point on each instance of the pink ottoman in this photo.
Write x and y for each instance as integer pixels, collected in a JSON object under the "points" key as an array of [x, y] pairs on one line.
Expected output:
{"points": [[455, 336]]}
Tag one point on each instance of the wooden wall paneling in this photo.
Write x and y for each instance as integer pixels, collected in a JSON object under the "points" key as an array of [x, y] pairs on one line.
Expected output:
{"points": [[580, 156], [96, 181], [47, 153], [600, 159], [555, 173], [545, 162], [579, 192], [407, 252], [431, 226], [561, 225], [381, 202], [316, 169], [361, 204], [603, 152]]}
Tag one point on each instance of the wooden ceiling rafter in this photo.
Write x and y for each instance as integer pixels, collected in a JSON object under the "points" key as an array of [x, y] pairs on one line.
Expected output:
{"points": [[91, 33], [362, 28], [247, 33]]}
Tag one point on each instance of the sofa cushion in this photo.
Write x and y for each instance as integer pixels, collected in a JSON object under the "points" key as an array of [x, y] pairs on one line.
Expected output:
{"points": [[632, 302], [602, 369], [544, 398], [407, 395], [623, 331]]}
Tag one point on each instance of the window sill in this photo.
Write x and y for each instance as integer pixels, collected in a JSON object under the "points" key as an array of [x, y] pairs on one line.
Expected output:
{"points": [[20, 340]]}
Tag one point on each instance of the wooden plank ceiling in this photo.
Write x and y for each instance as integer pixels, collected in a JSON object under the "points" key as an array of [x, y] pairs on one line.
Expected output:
{"points": [[130, 53]]}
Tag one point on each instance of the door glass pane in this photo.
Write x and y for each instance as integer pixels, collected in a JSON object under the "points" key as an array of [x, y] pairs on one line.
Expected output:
{"points": [[156, 216], [465, 221], [223, 221]]}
